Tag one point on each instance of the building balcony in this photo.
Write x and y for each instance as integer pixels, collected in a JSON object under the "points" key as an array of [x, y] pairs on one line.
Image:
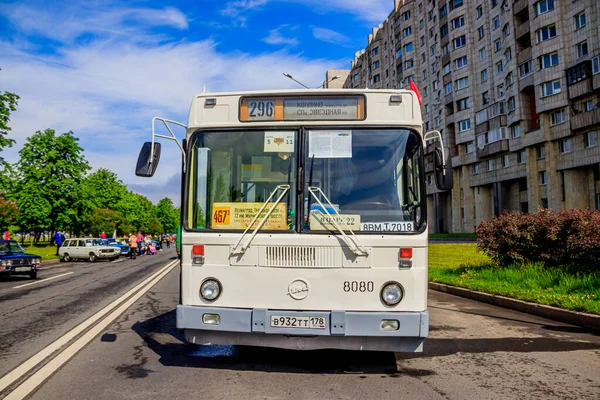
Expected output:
{"points": [[585, 119], [524, 55], [579, 89], [521, 30], [526, 83], [520, 8], [446, 59], [482, 128], [500, 146], [596, 82]]}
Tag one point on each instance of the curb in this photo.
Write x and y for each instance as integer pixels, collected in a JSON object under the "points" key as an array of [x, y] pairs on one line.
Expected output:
{"points": [[554, 313]]}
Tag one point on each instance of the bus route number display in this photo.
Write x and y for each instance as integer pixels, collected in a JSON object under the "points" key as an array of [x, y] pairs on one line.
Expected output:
{"points": [[261, 110]]}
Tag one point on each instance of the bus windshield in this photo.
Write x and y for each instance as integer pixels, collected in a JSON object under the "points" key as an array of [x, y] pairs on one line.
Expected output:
{"points": [[367, 180]]}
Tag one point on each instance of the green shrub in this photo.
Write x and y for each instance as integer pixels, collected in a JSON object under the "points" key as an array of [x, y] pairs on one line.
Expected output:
{"points": [[570, 237]]}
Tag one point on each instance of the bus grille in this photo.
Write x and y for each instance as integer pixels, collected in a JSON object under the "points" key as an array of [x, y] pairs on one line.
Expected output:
{"points": [[300, 257]]}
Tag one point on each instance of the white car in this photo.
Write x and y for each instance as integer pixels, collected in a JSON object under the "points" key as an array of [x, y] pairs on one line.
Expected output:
{"points": [[87, 249]]}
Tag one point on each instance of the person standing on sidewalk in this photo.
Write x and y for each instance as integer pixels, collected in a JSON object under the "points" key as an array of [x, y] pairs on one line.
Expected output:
{"points": [[58, 238], [133, 246]]}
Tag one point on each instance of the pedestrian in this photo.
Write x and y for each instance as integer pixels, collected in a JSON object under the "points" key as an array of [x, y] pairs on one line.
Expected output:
{"points": [[133, 246], [103, 235], [59, 240], [6, 235], [140, 240]]}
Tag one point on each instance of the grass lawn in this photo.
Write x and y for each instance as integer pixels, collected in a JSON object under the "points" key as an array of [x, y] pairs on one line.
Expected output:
{"points": [[453, 236], [462, 265], [43, 249]]}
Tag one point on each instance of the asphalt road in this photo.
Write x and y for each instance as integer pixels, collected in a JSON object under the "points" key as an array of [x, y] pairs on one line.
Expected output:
{"points": [[474, 351]]}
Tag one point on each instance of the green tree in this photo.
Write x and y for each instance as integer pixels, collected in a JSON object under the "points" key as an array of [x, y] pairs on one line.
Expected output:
{"points": [[103, 188], [105, 220], [8, 104], [50, 169], [9, 211], [166, 214]]}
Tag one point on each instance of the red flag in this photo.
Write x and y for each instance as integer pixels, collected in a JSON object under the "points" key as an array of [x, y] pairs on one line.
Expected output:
{"points": [[413, 87]]}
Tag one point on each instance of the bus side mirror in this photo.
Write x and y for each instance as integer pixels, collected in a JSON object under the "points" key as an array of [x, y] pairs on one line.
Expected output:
{"points": [[443, 170], [148, 160]]}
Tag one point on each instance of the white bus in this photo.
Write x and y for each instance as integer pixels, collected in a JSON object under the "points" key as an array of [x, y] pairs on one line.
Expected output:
{"points": [[304, 219]]}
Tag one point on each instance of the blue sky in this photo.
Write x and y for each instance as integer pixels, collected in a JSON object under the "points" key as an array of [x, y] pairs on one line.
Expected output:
{"points": [[103, 69]]}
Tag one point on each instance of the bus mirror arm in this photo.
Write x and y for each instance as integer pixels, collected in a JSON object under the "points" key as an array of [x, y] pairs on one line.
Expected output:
{"points": [[150, 153], [354, 245], [441, 161], [245, 246]]}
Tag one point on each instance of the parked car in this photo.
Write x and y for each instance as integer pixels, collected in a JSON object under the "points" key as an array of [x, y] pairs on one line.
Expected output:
{"points": [[120, 245], [87, 249], [14, 261]]}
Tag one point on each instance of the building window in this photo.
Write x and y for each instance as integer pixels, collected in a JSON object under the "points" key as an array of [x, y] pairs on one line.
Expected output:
{"points": [[377, 78], [543, 6], [464, 125], [463, 104], [484, 75], [407, 31], [543, 178], [526, 68], [408, 47], [435, 85], [490, 165], [580, 20], [558, 117], [582, 49], [460, 41], [479, 11], [541, 151], [596, 65], [577, 73], [546, 33], [548, 60], [506, 30], [356, 77], [522, 157], [475, 169], [426, 108], [376, 51], [444, 30], [496, 23], [462, 83], [550, 88], [565, 146], [511, 104], [406, 15], [500, 90], [544, 202], [481, 31], [446, 49], [458, 22], [505, 161], [461, 62], [429, 179], [443, 11], [470, 147], [424, 74], [590, 139], [376, 65], [498, 45], [508, 55], [499, 67], [482, 54], [516, 131], [455, 4], [447, 69], [509, 79], [448, 88], [408, 64], [485, 98]]}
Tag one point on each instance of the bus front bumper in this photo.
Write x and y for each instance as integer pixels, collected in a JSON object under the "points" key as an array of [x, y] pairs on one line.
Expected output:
{"points": [[342, 329]]}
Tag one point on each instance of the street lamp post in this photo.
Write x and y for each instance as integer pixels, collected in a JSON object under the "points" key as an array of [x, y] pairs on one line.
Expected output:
{"points": [[326, 82], [292, 78]]}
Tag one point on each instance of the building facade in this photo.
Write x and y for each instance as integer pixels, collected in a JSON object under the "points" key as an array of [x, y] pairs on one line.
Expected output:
{"points": [[514, 88]]}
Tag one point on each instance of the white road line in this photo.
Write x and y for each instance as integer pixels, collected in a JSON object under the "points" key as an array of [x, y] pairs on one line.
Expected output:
{"points": [[21, 370], [42, 280], [118, 260]]}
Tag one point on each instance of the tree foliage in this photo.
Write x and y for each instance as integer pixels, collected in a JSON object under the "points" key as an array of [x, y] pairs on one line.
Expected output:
{"points": [[167, 215], [9, 211]]}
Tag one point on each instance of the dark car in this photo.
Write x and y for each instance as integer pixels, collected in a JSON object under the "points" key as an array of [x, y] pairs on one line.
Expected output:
{"points": [[14, 261], [121, 245]]}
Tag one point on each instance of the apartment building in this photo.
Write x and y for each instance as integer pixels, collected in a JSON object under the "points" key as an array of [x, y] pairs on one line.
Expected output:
{"points": [[514, 88]]}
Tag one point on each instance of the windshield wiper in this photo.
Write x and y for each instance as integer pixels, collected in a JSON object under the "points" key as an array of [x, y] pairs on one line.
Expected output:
{"points": [[245, 246], [354, 244]]}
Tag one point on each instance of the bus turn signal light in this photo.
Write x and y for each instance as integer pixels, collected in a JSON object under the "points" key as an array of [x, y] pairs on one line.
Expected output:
{"points": [[198, 250], [406, 253]]}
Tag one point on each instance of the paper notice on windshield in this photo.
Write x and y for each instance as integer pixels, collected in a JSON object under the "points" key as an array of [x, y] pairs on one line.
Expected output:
{"points": [[395, 226], [323, 222], [330, 144], [239, 216], [279, 142]]}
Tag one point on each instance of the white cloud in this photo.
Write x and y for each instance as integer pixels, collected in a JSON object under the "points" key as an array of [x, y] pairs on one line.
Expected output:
{"points": [[107, 91], [238, 7], [275, 37], [329, 36]]}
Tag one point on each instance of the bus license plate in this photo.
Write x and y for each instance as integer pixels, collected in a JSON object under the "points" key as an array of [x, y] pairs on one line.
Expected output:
{"points": [[22, 269], [298, 322]]}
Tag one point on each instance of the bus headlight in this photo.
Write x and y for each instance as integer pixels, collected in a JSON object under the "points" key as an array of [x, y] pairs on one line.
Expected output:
{"points": [[210, 289], [392, 293]]}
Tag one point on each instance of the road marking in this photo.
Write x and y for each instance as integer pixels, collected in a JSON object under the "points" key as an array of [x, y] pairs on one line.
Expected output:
{"points": [[36, 379], [42, 280], [118, 260]]}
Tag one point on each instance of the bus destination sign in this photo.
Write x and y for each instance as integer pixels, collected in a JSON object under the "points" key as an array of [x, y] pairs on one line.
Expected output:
{"points": [[305, 108]]}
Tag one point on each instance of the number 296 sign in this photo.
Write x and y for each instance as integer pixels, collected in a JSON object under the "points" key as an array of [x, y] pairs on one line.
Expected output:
{"points": [[261, 110]]}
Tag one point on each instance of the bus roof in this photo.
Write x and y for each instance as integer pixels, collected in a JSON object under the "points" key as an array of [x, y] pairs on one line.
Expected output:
{"points": [[381, 107]]}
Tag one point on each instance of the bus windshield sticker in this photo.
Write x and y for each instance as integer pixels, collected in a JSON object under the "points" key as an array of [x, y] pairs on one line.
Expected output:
{"points": [[279, 141], [239, 216], [330, 144], [393, 226], [321, 222]]}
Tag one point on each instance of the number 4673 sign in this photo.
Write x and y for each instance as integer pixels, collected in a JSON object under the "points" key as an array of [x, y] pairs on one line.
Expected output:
{"points": [[279, 142]]}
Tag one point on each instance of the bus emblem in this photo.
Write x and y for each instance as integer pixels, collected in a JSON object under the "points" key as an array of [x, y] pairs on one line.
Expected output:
{"points": [[278, 141], [298, 289]]}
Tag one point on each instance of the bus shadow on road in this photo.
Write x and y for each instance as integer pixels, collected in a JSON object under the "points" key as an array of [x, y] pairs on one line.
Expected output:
{"points": [[161, 336]]}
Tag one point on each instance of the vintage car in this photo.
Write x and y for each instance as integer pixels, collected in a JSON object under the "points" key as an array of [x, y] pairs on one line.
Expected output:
{"points": [[14, 261], [118, 244], [87, 249]]}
